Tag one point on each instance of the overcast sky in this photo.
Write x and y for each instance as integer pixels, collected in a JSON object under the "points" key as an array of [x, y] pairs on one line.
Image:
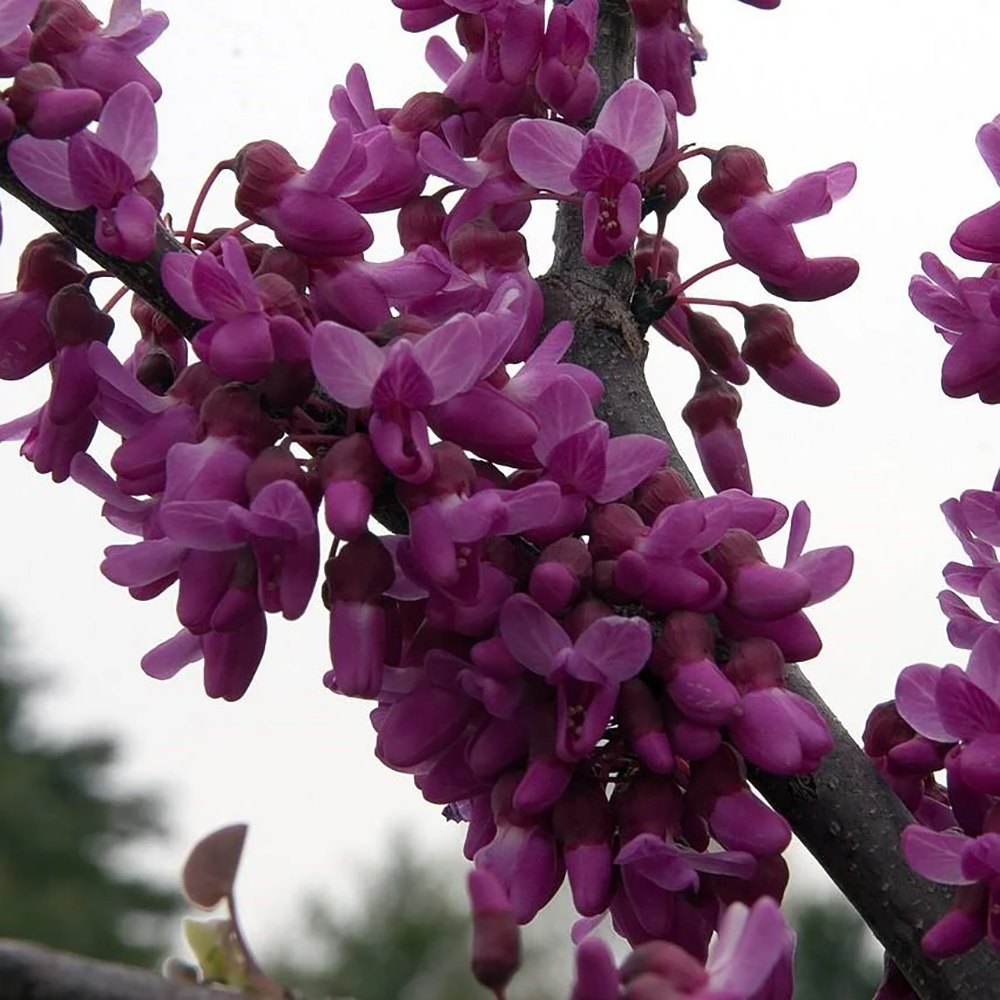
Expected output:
{"points": [[808, 85]]}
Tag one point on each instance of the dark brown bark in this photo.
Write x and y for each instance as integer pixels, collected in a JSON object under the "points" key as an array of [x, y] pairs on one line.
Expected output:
{"points": [[31, 972], [845, 814]]}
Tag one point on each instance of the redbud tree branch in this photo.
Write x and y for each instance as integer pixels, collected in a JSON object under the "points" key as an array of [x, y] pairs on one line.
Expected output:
{"points": [[845, 814], [31, 972]]}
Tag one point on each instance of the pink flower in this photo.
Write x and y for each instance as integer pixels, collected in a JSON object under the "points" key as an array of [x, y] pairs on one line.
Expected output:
{"points": [[586, 673], [109, 169], [399, 382], [67, 36], [978, 237], [605, 164], [757, 223], [240, 341]]}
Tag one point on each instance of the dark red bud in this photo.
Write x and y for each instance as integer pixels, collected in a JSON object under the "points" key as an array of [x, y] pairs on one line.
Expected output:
{"points": [[75, 319]]}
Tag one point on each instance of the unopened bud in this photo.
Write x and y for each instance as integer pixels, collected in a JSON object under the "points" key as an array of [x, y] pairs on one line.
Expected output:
{"points": [[772, 351], [711, 414]]}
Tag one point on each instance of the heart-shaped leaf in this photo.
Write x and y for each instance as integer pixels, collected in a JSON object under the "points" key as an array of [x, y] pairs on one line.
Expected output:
{"points": [[210, 869]]}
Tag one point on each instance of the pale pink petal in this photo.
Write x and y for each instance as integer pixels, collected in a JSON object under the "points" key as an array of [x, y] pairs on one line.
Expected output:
{"points": [[346, 363], [936, 855], [128, 128], [750, 944], [451, 356], [165, 660], [545, 153], [630, 459], [965, 709], [984, 664], [561, 410], [177, 272], [533, 637], [211, 525], [42, 166], [916, 701], [633, 119], [618, 648]]}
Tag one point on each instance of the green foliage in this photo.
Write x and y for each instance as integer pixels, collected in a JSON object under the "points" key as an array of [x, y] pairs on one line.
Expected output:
{"points": [[407, 938], [61, 831], [835, 957]]}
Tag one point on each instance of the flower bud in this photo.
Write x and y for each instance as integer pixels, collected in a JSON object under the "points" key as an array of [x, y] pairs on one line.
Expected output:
{"points": [[496, 938]]}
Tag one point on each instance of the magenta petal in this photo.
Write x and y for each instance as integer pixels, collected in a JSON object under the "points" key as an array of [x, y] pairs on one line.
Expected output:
{"points": [[42, 166], [128, 128], [97, 174], [798, 531], [617, 648], [826, 570], [630, 459], [421, 725], [232, 658], [165, 660], [141, 563], [633, 119], [984, 664], [15, 15], [177, 272], [742, 822], [544, 153], [451, 357], [211, 525], [965, 709], [580, 461], [239, 349], [978, 237], [916, 701], [562, 409], [533, 637], [346, 362], [988, 144], [750, 944], [703, 693], [134, 223], [936, 856], [357, 647]]}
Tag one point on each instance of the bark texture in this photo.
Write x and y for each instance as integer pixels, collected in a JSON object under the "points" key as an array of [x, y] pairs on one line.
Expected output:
{"points": [[31, 972], [845, 814]]}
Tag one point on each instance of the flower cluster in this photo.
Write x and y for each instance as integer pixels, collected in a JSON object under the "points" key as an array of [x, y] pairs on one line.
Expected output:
{"points": [[566, 648], [948, 718]]}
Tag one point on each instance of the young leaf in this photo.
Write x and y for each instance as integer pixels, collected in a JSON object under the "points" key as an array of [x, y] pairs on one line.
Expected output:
{"points": [[210, 869]]}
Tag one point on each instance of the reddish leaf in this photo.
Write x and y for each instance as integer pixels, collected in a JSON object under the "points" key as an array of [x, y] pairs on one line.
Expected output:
{"points": [[210, 869]]}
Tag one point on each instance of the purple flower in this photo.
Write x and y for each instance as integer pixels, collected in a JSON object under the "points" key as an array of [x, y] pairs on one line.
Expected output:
{"points": [[240, 341], [307, 208], [280, 527], [605, 164], [586, 673], [667, 47], [69, 37], [757, 223], [565, 80], [972, 864], [106, 169], [399, 382], [966, 312], [978, 237]]}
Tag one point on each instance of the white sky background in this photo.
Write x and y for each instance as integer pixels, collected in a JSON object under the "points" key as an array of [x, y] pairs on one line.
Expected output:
{"points": [[808, 85]]}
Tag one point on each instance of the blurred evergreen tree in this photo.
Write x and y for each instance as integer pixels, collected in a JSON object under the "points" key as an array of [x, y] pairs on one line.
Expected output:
{"points": [[835, 954], [407, 938], [61, 832]]}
